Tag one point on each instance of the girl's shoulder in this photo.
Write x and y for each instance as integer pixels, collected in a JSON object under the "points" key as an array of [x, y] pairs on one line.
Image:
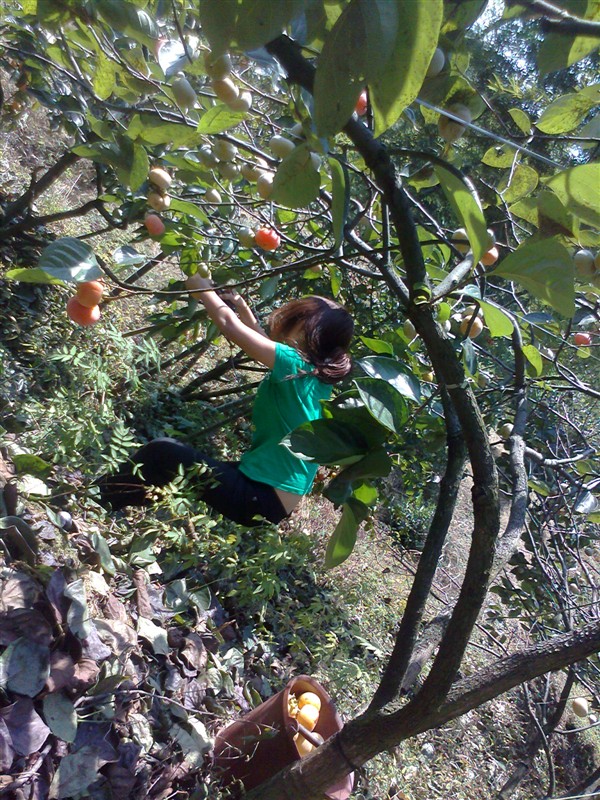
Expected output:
{"points": [[288, 362]]}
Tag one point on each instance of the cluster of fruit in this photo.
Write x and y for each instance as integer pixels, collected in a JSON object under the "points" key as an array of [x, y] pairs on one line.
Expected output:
{"points": [[265, 238], [305, 709], [219, 70], [158, 196], [83, 308]]}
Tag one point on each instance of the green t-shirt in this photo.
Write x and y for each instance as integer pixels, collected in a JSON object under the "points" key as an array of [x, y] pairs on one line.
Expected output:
{"points": [[282, 403]]}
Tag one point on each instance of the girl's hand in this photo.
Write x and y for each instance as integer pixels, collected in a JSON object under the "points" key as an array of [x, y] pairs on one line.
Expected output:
{"points": [[234, 300], [196, 282]]}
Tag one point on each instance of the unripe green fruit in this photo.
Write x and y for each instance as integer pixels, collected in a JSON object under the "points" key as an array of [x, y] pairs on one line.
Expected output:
{"points": [[584, 263], [212, 196], [243, 103], [207, 157], [505, 430], [264, 184], [482, 380], [217, 68], [226, 90], [460, 240], [280, 146], [229, 170], [225, 151], [297, 131], [436, 65], [409, 329], [580, 707], [160, 178], [183, 92], [450, 130], [246, 237], [315, 160], [159, 202], [252, 172]]}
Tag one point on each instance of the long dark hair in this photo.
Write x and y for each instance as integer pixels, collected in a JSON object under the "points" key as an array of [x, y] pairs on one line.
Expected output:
{"points": [[327, 329]]}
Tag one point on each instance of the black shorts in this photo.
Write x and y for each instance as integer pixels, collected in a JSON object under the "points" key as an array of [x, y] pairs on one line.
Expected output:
{"points": [[224, 487]]}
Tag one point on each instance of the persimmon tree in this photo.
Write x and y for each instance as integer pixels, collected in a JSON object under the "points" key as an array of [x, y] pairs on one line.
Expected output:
{"points": [[455, 213]]}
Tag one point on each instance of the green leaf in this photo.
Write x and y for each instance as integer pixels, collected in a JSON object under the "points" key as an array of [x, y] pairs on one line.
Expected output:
{"points": [[497, 320], [60, 716], [533, 355], [559, 51], [393, 372], [139, 168], [553, 218], [296, 182], [29, 464], [219, 118], [499, 156], [577, 188], [384, 402], [339, 205], [521, 120], [523, 181], [327, 441], [189, 208], [66, 260], [565, 113], [526, 209], [104, 76], [343, 539], [101, 547], [78, 615], [467, 207], [544, 268], [377, 345], [129, 20], [354, 55], [245, 24], [153, 130], [398, 85], [33, 275], [375, 464], [365, 493]]}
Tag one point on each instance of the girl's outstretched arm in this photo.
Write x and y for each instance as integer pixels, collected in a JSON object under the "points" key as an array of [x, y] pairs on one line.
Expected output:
{"points": [[252, 341], [243, 310]]}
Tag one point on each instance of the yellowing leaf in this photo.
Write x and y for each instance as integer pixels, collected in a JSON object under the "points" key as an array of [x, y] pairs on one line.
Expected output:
{"points": [[565, 113], [104, 76]]}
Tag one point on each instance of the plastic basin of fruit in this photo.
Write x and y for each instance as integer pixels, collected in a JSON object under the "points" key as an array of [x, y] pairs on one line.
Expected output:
{"points": [[257, 746]]}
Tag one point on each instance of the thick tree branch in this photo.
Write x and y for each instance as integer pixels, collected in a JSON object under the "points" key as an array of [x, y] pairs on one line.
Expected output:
{"points": [[39, 187], [363, 738], [400, 659], [520, 490]]}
